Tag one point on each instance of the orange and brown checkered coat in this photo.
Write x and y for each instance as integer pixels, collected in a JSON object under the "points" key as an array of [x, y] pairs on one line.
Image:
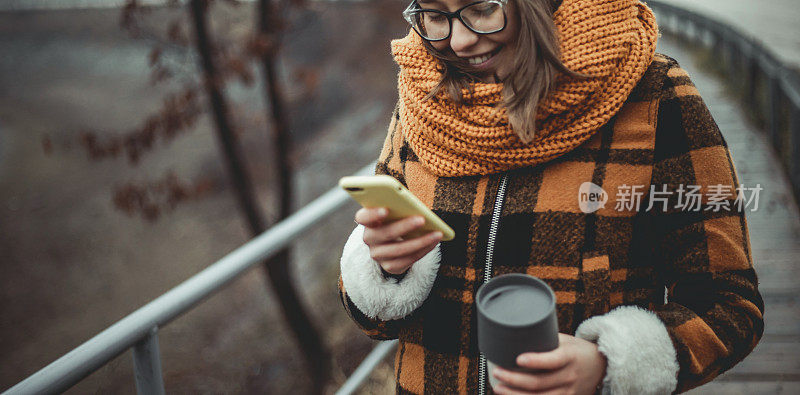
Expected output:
{"points": [[612, 265]]}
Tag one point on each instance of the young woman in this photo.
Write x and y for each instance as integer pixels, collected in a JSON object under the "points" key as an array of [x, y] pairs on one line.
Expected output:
{"points": [[509, 112]]}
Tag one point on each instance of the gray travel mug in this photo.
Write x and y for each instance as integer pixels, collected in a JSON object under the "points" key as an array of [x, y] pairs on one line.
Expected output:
{"points": [[516, 314]]}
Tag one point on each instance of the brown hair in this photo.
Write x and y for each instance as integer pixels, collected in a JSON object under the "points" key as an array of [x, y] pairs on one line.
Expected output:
{"points": [[535, 65]]}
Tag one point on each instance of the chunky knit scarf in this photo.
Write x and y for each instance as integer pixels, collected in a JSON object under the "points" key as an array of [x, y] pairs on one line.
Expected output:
{"points": [[613, 41]]}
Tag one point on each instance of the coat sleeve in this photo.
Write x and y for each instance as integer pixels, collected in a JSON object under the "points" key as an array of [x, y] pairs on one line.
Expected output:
{"points": [[714, 311], [378, 303]]}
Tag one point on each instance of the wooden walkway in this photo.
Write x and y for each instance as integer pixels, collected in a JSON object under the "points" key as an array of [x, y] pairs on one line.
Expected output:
{"points": [[774, 366]]}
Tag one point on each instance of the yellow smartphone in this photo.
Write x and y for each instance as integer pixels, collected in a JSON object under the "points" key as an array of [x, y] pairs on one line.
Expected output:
{"points": [[385, 191]]}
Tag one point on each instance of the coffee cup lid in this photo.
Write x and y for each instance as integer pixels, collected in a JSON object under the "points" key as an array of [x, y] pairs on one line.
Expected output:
{"points": [[515, 300]]}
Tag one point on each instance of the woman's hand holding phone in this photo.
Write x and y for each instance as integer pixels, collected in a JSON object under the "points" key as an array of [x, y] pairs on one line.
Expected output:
{"points": [[386, 245]]}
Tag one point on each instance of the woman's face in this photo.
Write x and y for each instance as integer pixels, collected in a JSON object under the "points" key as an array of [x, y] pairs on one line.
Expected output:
{"points": [[487, 54]]}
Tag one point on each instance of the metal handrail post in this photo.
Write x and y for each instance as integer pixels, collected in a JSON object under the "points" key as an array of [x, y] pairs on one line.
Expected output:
{"points": [[773, 108], [794, 133], [750, 76], [147, 365]]}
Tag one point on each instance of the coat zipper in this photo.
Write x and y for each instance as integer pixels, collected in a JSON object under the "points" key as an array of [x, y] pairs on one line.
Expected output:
{"points": [[487, 270]]}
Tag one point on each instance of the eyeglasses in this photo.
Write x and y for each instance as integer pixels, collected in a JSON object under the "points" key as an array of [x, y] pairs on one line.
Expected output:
{"points": [[481, 17]]}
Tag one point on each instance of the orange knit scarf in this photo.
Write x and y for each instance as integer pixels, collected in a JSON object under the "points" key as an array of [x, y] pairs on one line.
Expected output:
{"points": [[613, 41]]}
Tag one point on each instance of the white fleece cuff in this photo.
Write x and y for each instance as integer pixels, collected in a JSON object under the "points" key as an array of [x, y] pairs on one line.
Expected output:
{"points": [[640, 354], [380, 297]]}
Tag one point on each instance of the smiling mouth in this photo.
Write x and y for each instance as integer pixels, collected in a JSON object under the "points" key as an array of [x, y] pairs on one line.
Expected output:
{"points": [[478, 60]]}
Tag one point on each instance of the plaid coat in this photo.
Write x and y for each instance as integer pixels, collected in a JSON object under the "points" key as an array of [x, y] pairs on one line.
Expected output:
{"points": [[619, 255]]}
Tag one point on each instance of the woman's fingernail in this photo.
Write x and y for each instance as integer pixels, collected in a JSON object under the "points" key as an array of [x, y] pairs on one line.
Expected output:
{"points": [[419, 221], [382, 212], [436, 235]]}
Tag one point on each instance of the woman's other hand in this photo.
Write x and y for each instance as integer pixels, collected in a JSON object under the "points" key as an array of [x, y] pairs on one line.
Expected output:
{"points": [[386, 246], [575, 367]]}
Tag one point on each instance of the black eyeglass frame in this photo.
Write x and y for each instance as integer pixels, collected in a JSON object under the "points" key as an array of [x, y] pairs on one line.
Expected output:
{"points": [[408, 15]]}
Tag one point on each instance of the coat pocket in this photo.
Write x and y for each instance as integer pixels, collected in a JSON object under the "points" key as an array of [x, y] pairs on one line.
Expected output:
{"points": [[596, 282]]}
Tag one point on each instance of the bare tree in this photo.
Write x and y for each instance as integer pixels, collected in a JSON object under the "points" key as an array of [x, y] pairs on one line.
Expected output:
{"points": [[278, 268], [179, 114]]}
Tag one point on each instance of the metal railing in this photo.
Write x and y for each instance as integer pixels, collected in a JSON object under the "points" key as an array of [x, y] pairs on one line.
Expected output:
{"points": [[139, 330], [769, 87], [366, 367]]}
